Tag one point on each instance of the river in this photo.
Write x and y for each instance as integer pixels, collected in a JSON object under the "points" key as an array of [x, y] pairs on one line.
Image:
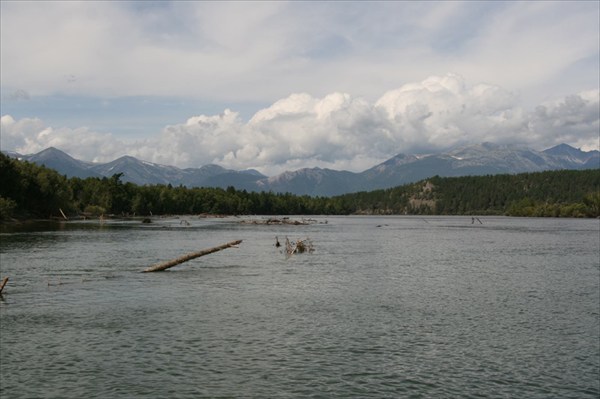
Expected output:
{"points": [[384, 307]]}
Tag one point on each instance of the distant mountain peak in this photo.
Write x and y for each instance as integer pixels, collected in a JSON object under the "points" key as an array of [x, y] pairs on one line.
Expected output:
{"points": [[213, 168], [478, 159], [563, 149], [572, 155], [564, 146], [59, 160], [126, 158], [53, 152], [253, 172], [396, 160]]}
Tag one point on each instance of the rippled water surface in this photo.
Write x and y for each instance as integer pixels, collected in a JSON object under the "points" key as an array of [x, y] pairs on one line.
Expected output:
{"points": [[384, 307]]}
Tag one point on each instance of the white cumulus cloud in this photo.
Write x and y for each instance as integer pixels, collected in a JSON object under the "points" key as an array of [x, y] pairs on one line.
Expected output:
{"points": [[337, 131]]}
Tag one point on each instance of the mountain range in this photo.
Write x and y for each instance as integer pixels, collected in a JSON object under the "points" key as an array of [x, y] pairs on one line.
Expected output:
{"points": [[481, 159]]}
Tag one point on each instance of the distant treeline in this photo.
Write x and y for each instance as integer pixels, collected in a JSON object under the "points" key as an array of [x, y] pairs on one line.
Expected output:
{"points": [[31, 191], [563, 193]]}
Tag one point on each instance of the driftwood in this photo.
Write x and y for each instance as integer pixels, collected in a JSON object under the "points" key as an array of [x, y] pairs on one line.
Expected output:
{"points": [[63, 214], [165, 265], [298, 247], [3, 283], [276, 221]]}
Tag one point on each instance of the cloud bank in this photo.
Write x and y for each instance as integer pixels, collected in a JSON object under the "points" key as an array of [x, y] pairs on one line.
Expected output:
{"points": [[260, 51], [337, 131]]}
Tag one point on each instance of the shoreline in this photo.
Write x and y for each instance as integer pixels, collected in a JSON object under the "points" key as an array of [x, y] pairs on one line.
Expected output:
{"points": [[274, 218]]}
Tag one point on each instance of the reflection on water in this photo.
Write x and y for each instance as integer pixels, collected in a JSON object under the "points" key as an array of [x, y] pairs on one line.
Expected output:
{"points": [[385, 307]]}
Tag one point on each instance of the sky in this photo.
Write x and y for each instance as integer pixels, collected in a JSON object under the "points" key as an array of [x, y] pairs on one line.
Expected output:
{"points": [[276, 86]]}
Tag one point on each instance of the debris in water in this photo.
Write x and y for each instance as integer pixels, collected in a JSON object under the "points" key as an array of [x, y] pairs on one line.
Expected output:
{"points": [[298, 247], [190, 256]]}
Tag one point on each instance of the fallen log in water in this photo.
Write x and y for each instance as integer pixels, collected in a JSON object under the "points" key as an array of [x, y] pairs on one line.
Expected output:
{"points": [[3, 283], [165, 265], [63, 214], [276, 221]]}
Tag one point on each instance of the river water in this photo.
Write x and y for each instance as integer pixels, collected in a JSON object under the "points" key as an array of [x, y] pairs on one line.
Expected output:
{"points": [[384, 307]]}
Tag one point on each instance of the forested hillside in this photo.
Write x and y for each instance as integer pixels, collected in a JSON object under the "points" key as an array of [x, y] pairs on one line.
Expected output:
{"points": [[31, 191], [564, 193]]}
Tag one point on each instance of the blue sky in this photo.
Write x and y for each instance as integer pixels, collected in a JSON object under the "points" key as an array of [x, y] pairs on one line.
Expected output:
{"points": [[282, 85]]}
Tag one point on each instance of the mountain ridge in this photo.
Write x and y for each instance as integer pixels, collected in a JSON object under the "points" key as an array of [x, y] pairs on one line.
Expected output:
{"points": [[478, 159]]}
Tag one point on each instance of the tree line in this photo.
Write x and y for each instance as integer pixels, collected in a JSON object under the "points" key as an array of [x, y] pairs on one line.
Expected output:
{"points": [[28, 190], [561, 193]]}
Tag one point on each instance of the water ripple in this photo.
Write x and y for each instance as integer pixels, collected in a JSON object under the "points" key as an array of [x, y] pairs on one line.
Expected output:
{"points": [[415, 309]]}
